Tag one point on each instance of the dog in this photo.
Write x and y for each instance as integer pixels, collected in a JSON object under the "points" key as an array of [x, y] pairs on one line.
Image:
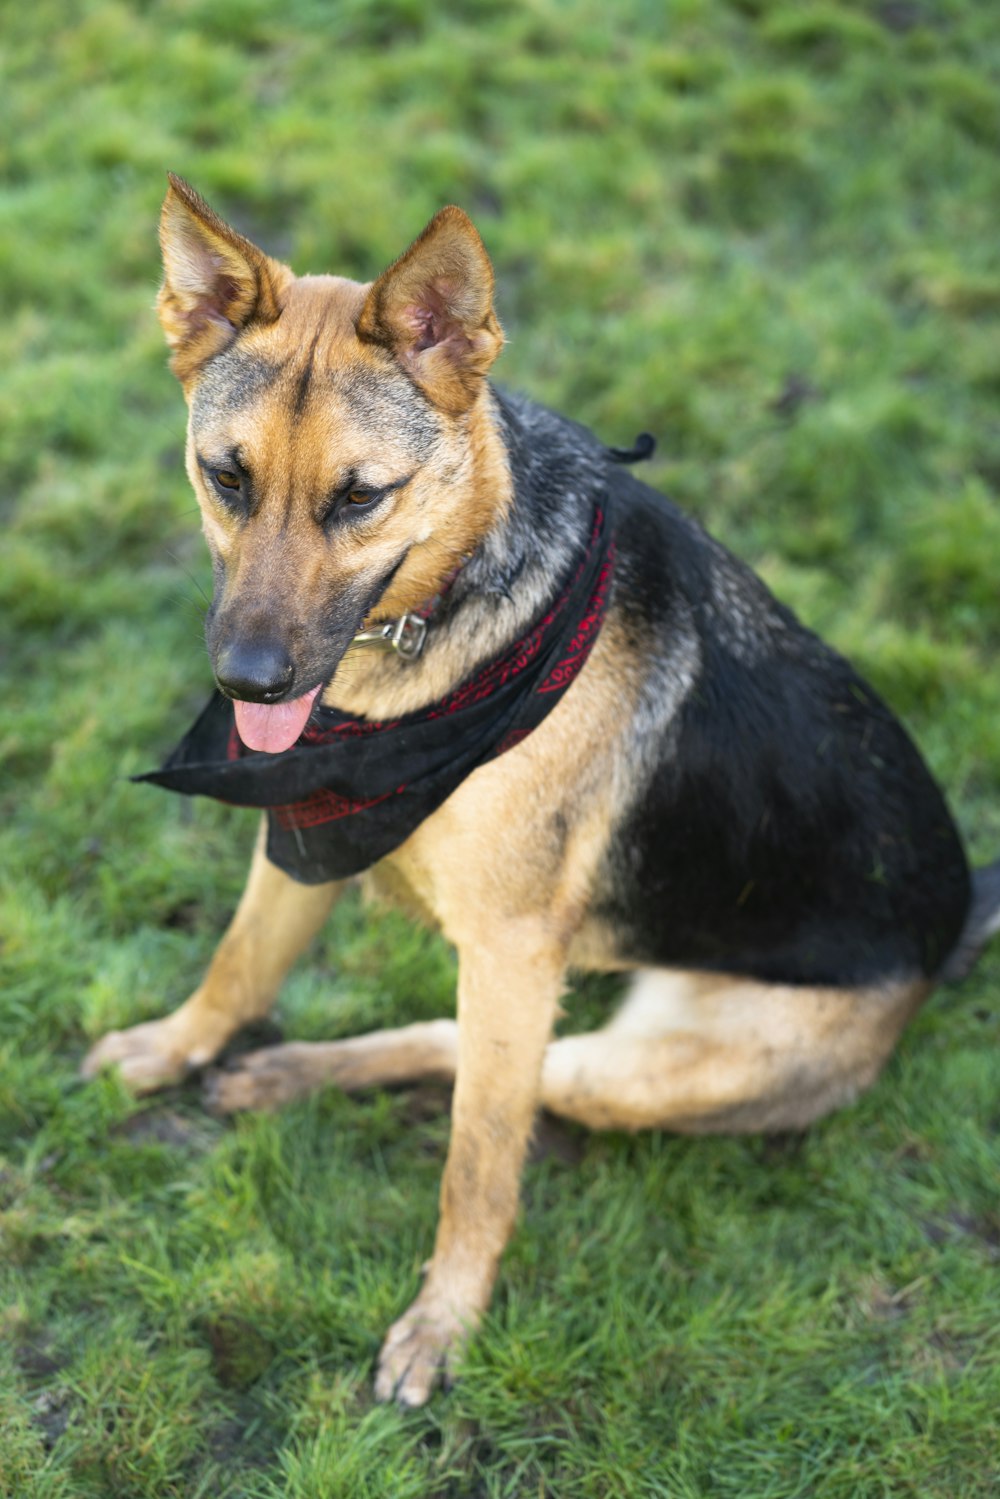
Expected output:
{"points": [[459, 648]]}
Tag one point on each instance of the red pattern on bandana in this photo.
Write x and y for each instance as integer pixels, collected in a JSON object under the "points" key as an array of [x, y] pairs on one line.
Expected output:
{"points": [[324, 806], [348, 728], [582, 643]]}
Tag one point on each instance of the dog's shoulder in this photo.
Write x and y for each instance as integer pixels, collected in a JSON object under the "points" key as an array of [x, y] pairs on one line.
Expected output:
{"points": [[668, 568]]}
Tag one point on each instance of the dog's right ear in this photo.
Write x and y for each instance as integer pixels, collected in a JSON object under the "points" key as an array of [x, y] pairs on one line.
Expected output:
{"points": [[433, 309], [215, 282]]}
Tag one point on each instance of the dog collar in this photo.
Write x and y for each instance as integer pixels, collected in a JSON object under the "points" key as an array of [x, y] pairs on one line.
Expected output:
{"points": [[405, 636], [352, 789]]}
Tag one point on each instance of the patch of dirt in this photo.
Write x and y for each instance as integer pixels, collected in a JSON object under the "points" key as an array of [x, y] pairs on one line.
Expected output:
{"points": [[955, 1351], [426, 1101], [38, 1360], [252, 1038], [554, 1139], [240, 1351], [242, 1442], [958, 1225], [796, 392], [11, 1186], [183, 917], [882, 1302], [164, 1126], [783, 1146], [51, 1412]]}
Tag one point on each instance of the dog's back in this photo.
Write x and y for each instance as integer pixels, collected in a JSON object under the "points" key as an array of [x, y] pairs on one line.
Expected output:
{"points": [[778, 822]]}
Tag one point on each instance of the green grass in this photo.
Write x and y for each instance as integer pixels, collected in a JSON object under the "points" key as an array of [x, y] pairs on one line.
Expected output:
{"points": [[767, 232]]}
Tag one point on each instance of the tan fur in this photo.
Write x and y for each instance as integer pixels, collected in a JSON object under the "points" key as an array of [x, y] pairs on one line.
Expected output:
{"points": [[506, 867]]}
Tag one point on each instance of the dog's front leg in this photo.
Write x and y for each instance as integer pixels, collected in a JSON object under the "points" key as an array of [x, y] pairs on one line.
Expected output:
{"points": [[274, 922], [508, 996]]}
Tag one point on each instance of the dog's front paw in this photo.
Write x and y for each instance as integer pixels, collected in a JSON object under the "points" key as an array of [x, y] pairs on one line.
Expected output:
{"points": [[147, 1056], [422, 1346]]}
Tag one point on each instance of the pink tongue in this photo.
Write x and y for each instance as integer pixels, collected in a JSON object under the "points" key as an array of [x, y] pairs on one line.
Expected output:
{"points": [[273, 729]]}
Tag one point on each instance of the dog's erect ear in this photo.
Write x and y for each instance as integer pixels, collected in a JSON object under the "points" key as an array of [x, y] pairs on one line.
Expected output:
{"points": [[215, 282], [434, 310]]}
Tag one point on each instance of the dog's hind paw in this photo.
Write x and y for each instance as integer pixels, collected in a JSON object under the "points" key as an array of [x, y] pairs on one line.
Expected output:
{"points": [[423, 1346], [249, 1084], [265, 1079]]}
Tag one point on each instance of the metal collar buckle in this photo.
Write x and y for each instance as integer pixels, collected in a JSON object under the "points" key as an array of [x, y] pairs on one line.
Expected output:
{"points": [[405, 636]]}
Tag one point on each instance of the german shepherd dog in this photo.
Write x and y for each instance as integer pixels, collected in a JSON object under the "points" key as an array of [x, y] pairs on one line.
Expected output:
{"points": [[692, 789]]}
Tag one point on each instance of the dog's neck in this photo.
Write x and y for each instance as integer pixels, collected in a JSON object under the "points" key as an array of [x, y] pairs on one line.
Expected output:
{"points": [[503, 586]]}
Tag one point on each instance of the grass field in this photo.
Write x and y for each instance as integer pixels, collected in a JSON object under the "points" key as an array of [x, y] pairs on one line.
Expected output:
{"points": [[768, 233]]}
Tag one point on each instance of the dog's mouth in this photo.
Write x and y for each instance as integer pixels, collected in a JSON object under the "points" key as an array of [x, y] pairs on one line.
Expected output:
{"points": [[274, 727]]}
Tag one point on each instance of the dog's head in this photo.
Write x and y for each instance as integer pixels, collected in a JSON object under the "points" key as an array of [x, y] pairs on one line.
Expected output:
{"points": [[336, 443]]}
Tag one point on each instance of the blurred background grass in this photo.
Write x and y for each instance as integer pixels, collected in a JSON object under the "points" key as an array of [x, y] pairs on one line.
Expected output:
{"points": [[765, 230]]}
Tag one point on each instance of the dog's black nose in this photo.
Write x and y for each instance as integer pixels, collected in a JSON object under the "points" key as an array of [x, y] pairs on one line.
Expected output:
{"points": [[254, 671]]}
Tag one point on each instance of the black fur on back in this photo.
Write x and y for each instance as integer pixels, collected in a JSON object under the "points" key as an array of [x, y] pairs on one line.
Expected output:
{"points": [[781, 825]]}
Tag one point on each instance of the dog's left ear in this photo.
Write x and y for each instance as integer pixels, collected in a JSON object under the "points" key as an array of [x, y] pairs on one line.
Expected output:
{"points": [[434, 310], [215, 282]]}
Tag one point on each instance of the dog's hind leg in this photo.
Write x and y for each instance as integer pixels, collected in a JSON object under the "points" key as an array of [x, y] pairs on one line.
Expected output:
{"points": [[694, 1053], [275, 921], [705, 1054], [275, 1075]]}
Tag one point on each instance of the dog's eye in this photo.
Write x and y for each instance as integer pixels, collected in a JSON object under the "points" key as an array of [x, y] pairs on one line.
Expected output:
{"points": [[225, 478], [352, 498], [349, 502]]}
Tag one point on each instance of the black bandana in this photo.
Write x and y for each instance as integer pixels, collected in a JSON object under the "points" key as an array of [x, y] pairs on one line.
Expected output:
{"points": [[351, 790]]}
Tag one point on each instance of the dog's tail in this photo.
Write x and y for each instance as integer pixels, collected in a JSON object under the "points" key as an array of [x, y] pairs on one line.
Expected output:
{"points": [[982, 922]]}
